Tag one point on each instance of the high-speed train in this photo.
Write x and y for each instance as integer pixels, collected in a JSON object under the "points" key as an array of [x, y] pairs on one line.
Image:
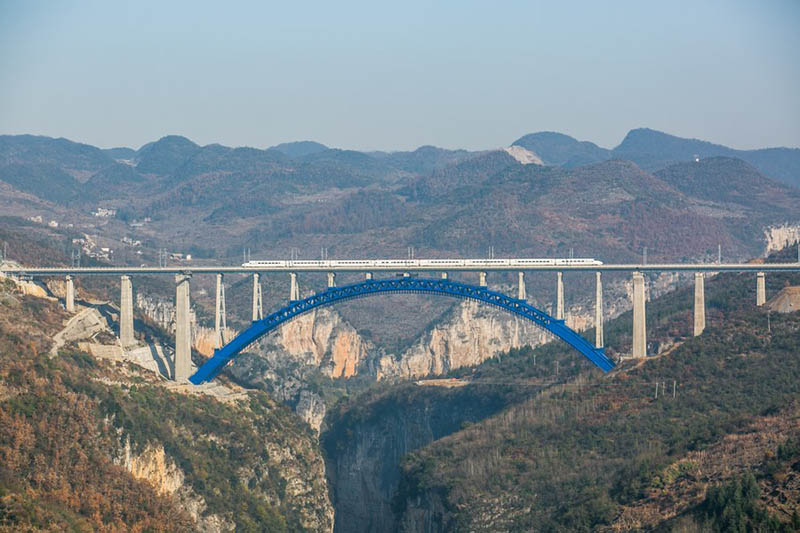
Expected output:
{"points": [[421, 263]]}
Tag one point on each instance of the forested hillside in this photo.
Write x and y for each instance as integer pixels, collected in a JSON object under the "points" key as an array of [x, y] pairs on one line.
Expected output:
{"points": [[92, 445]]}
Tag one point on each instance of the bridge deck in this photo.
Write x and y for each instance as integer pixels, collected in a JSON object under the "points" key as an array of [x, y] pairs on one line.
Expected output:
{"points": [[198, 269]]}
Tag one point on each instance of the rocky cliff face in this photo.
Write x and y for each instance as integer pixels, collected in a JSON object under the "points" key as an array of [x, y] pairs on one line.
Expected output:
{"points": [[780, 237], [471, 334], [153, 465], [204, 339], [321, 338], [159, 310], [364, 447]]}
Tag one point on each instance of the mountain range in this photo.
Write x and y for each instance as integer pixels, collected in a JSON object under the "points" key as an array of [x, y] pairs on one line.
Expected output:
{"points": [[304, 195]]}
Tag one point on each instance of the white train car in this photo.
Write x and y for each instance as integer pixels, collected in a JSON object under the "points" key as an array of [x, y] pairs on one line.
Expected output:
{"points": [[442, 264]]}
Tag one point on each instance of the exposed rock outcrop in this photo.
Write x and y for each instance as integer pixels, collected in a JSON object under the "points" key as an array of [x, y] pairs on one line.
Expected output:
{"points": [[780, 237], [469, 336], [32, 288], [311, 408], [153, 465], [323, 339], [305, 484], [204, 339], [786, 301], [523, 155]]}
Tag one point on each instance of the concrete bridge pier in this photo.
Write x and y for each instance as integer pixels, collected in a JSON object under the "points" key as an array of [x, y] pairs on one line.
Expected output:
{"points": [[761, 289], [368, 276], [699, 303], [258, 304], [639, 321], [294, 291], [444, 275], [69, 301], [560, 296], [522, 294], [482, 279], [182, 365], [126, 337], [220, 317], [598, 311], [331, 279]]}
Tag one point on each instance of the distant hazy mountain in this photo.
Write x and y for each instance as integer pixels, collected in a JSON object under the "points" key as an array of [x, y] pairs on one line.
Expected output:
{"points": [[562, 150], [165, 155], [449, 182], [121, 153], [424, 159], [345, 167], [300, 148], [51, 169], [654, 150], [43, 180], [780, 163], [727, 180], [78, 160]]}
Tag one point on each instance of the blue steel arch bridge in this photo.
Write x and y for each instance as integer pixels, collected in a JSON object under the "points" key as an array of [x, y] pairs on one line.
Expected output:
{"points": [[371, 287]]}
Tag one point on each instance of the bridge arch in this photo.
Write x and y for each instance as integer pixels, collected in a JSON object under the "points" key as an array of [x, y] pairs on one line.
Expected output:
{"points": [[440, 287]]}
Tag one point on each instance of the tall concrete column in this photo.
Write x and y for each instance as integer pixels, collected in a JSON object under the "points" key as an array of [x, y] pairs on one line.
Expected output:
{"points": [[183, 331], [331, 279], [761, 289], [522, 294], [560, 296], [482, 279], [126, 337], [368, 276], [444, 275], [699, 303], [220, 317], [598, 311], [69, 301], [258, 305], [294, 291], [639, 321]]}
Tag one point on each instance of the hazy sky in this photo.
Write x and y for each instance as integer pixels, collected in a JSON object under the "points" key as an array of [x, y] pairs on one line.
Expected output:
{"points": [[396, 75]]}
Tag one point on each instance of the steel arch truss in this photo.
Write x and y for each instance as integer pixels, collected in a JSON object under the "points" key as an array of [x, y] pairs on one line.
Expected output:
{"points": [[441, 287]]}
